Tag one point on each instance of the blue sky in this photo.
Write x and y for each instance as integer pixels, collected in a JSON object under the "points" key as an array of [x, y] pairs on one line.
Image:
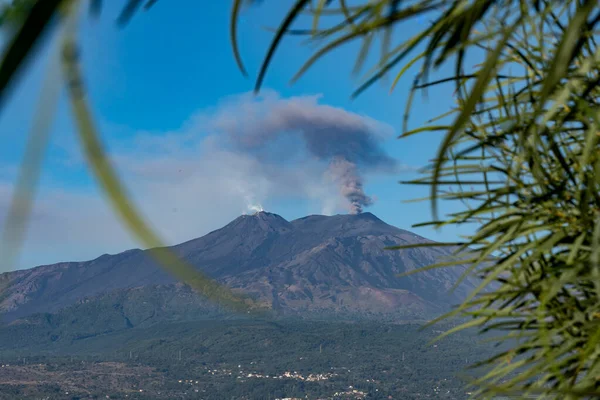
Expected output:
{"points": [[157, 87]]}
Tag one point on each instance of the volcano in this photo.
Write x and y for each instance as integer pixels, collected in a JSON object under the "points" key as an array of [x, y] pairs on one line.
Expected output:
{"points": [[316, 265]]}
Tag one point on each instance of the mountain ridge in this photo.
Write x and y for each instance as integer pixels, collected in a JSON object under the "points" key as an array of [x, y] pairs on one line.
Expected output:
{"points": [[311, 264]]}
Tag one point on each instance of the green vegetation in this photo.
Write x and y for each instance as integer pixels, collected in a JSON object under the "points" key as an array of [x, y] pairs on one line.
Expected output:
{"points": [[378, 359]]}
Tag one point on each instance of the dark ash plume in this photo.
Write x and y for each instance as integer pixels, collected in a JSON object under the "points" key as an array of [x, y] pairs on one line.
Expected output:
{"points": [[276, 130], [345, 174]]}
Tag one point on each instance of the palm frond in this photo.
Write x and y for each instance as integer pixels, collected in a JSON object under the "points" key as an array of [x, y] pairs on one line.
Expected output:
{"points": [[527, 141]]}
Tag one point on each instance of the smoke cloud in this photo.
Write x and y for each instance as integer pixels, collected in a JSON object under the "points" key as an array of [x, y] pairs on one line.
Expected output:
{"points": [[246, 151], [300, 130], [345, 174]]}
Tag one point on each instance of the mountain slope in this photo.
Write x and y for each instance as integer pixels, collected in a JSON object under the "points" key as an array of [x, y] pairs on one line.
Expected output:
{"points": [[313, 265]]}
